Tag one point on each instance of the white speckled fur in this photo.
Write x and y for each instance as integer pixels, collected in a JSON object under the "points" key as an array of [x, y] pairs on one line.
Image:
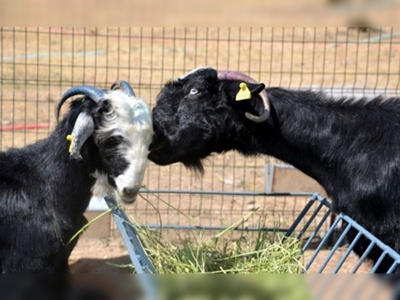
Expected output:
{"points": [[130, 118]]}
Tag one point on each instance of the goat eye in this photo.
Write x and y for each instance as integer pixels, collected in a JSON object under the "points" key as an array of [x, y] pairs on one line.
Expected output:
{"points": [[194, 91]]}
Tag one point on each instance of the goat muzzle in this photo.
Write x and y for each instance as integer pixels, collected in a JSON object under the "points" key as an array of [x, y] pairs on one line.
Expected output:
{"points": [[129, 195]]}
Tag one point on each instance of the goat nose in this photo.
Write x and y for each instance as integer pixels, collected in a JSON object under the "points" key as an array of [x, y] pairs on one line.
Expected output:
{"points": [[129, 193]]}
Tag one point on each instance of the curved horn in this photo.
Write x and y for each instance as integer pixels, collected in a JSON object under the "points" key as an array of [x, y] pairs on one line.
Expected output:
{"points": [[235, 75], [125, 86], [90, 91], [83, 129]]}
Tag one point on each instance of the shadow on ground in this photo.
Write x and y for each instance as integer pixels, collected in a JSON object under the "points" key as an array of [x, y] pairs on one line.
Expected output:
{"points": [[115, 265]]}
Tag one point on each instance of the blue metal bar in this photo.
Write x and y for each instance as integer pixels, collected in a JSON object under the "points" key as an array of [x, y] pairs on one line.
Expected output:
{"points": [[363, 257], [335, 247], [194, 227], [310, 220], [378, 263], [138, 256], [351, 223], [321, 244], [346, 254], [371, 237], [136, 252], [393, 267], [201, 192], [314, 233], [301, 215]]}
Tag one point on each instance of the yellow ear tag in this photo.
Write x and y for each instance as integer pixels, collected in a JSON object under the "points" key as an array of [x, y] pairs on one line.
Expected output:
{"points": [[244, 92], [70, 139]]}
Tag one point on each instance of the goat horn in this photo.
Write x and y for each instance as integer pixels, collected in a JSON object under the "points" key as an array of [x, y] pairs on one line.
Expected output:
{"points": [[125, 86], [235, 75], [90, 91], [83, 129]]}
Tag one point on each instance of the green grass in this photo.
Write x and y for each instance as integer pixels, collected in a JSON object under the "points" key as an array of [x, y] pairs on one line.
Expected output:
{"points": [[228, 252]]}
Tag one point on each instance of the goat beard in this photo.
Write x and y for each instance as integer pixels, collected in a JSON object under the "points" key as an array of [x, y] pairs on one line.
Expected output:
{"points": [[196, 166]]}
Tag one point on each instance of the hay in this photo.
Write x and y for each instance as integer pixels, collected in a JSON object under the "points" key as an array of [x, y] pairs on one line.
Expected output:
{"points": [[228, 252]]}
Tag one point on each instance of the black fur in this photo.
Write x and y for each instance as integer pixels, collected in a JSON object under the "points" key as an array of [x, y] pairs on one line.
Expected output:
{"points": [[44, 193], [351, 147]]}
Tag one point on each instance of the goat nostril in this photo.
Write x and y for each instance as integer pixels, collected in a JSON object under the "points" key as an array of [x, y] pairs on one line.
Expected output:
{"points": [[129, 192], [129, 195]]}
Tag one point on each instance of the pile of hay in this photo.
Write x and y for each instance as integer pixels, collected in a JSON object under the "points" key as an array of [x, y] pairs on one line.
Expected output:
{"points": [[228, 252]]}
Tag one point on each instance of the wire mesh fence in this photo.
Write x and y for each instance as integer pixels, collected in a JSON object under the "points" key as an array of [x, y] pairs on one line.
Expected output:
{"points": [[38, 64]]}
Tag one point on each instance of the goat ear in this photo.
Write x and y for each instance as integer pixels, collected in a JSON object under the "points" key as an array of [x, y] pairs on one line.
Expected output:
{"points": [[247, 90], [83, 129], [256, 89]]}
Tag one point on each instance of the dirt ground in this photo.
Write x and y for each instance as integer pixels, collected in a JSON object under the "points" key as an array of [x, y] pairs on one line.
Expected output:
{"points": [[38, 64]]}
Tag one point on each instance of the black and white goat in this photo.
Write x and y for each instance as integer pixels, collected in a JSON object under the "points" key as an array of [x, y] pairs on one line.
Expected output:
{"points": [[100, 145], [350, 146]]}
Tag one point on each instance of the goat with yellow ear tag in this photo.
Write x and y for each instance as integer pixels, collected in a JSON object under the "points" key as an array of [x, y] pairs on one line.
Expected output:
{"points": [[100, 145], [350, 147]]}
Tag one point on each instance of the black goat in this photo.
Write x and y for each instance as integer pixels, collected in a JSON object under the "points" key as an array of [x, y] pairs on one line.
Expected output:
{"points": [[46, 187], [350, 146]]}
